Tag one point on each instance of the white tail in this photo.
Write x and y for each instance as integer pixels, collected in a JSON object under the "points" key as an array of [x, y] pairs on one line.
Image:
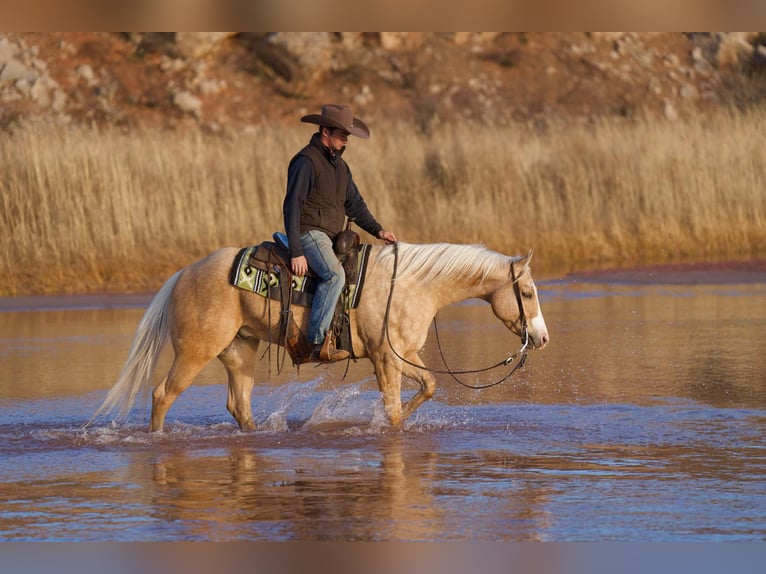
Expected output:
{"points": [[151, 335]]}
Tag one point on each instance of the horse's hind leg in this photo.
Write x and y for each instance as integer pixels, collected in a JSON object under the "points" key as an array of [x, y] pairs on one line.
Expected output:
{"points": [[239, 360], [183, 371]]}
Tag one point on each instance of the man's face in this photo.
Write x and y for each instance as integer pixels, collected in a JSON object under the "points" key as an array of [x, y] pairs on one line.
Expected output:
{"points": [[334, 138]]}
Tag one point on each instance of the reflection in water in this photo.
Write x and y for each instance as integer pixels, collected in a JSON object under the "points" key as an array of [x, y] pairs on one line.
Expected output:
{"points": [[642, 420], [316, 497], [384, 489], [536, 472], [298, 495]]}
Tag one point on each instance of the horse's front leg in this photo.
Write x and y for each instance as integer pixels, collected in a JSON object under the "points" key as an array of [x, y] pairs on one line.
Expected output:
{"points": [[422, 376], [388, 371]]}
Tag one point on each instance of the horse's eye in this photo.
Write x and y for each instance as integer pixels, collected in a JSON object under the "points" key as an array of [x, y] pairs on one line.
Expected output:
{"points": [[526, 294]]}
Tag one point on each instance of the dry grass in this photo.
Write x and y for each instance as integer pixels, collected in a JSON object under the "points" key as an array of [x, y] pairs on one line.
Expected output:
{"points": [[101, 210]]}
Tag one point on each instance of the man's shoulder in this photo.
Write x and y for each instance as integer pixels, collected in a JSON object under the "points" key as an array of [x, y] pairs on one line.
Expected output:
{"points": [[308, 152], [301, 160]]}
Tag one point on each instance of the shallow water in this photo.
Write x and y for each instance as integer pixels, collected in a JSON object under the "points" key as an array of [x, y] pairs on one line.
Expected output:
{"points": [[643, 420]]}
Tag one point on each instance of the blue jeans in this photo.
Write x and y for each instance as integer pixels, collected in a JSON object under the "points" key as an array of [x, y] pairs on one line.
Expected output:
{"points": [[317, 247]]}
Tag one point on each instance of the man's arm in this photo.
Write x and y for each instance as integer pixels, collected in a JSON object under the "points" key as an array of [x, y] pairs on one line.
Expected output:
{"points": [[356, 209], [300, 179]]}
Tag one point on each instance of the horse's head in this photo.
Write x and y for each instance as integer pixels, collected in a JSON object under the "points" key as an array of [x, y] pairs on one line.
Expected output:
{"points": [[516, 304]]}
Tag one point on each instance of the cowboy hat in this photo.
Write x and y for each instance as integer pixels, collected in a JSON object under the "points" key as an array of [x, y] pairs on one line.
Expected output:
{"points": [[341, 117]]}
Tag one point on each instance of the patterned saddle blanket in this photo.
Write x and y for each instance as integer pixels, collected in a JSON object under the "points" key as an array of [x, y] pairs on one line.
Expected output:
{"points": [[259, 269]]}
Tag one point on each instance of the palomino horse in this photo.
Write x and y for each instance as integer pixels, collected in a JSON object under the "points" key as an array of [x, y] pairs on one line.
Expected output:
{"points": [[205, 317]]}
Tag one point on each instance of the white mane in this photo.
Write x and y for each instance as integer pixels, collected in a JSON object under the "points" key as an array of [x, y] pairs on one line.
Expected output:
{"points": [[424, 263]]}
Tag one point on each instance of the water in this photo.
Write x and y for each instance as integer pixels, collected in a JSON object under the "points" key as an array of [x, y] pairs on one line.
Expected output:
{"points": [[643, 420]]}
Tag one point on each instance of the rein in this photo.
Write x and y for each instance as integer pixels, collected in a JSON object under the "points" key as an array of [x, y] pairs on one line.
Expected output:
{"points": [[521, 353]]}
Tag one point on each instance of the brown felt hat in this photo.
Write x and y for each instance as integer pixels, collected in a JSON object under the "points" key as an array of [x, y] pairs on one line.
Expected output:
{"points": [[341, 117]]}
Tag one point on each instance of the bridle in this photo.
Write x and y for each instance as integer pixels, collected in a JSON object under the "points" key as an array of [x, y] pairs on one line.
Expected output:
{"points": [[522, 313], [521, 354]]}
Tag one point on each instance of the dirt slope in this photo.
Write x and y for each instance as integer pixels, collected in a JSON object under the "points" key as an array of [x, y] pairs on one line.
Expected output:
{"points": [[226, 80]]}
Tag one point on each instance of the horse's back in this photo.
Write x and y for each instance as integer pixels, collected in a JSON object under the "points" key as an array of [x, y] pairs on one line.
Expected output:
{"points": [[220, 259], [204, 288]]}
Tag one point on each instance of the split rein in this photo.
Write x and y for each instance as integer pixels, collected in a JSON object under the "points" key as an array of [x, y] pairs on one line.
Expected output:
{"points": [[521, 354]]}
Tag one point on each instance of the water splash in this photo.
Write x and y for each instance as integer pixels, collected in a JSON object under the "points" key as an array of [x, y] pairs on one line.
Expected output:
{"points": [[346, 405], [282, 403]]}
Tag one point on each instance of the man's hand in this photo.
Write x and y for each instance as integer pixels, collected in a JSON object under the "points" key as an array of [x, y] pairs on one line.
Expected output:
{"points": [[299, 265], [387, 236]]}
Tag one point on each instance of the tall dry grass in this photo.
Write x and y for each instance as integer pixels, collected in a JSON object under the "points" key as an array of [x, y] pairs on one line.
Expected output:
{"points": [[104, 210]]}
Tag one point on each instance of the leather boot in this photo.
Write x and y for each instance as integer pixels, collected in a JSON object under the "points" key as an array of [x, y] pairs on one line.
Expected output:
{"points": [[327, 353]]}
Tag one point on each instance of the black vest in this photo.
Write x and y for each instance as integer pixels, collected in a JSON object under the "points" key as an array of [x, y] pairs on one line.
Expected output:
{"points": [[324, 208]]}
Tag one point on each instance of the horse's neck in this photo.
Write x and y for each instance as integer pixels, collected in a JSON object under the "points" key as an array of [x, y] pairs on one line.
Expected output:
{"points": [[452, 287], [450, 291]]}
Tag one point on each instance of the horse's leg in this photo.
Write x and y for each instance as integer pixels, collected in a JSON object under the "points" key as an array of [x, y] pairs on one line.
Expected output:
{"points": [[388, 371], [427, 385], [239, 360], [182, 372]]}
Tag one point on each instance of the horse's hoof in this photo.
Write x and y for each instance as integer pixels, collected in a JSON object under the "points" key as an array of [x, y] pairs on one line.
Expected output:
{"points": [[247, 425]]}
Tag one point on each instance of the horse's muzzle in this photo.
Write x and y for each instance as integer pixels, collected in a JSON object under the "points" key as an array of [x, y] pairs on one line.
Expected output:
{"points": [[538, 332], [539, 343]]}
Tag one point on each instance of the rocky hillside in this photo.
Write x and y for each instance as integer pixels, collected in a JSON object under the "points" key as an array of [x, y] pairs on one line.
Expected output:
{"points": [[232, 80]]}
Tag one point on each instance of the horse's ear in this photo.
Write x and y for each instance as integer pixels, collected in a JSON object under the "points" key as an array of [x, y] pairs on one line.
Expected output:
{"points": [[523, 260]]}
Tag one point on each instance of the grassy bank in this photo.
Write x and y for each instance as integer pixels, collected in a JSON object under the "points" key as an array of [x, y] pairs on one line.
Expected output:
{"points": [[87, 210]]}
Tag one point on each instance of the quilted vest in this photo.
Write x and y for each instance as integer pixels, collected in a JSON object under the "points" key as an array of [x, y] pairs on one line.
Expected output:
{"points": [[324, 208]]}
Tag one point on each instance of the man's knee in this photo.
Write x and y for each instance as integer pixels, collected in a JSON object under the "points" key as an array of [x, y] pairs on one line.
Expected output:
{"points": [[332, 269], [335, 274]]}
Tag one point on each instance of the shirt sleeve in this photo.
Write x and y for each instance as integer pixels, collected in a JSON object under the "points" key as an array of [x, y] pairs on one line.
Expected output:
{"points": [[300, 179], [356, 209]]}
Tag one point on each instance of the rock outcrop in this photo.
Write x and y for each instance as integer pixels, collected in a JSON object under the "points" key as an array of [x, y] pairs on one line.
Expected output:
{"points": [[225, 80]]}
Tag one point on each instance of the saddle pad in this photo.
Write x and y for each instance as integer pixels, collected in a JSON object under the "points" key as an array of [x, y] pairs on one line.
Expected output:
{"points": [[267, 283]]}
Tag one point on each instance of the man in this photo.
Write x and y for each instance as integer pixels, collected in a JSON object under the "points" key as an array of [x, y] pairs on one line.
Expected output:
{"points": [[320, 194]]}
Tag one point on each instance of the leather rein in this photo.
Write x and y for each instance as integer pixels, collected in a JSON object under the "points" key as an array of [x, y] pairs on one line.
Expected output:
{"points": [[521, 354]]}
